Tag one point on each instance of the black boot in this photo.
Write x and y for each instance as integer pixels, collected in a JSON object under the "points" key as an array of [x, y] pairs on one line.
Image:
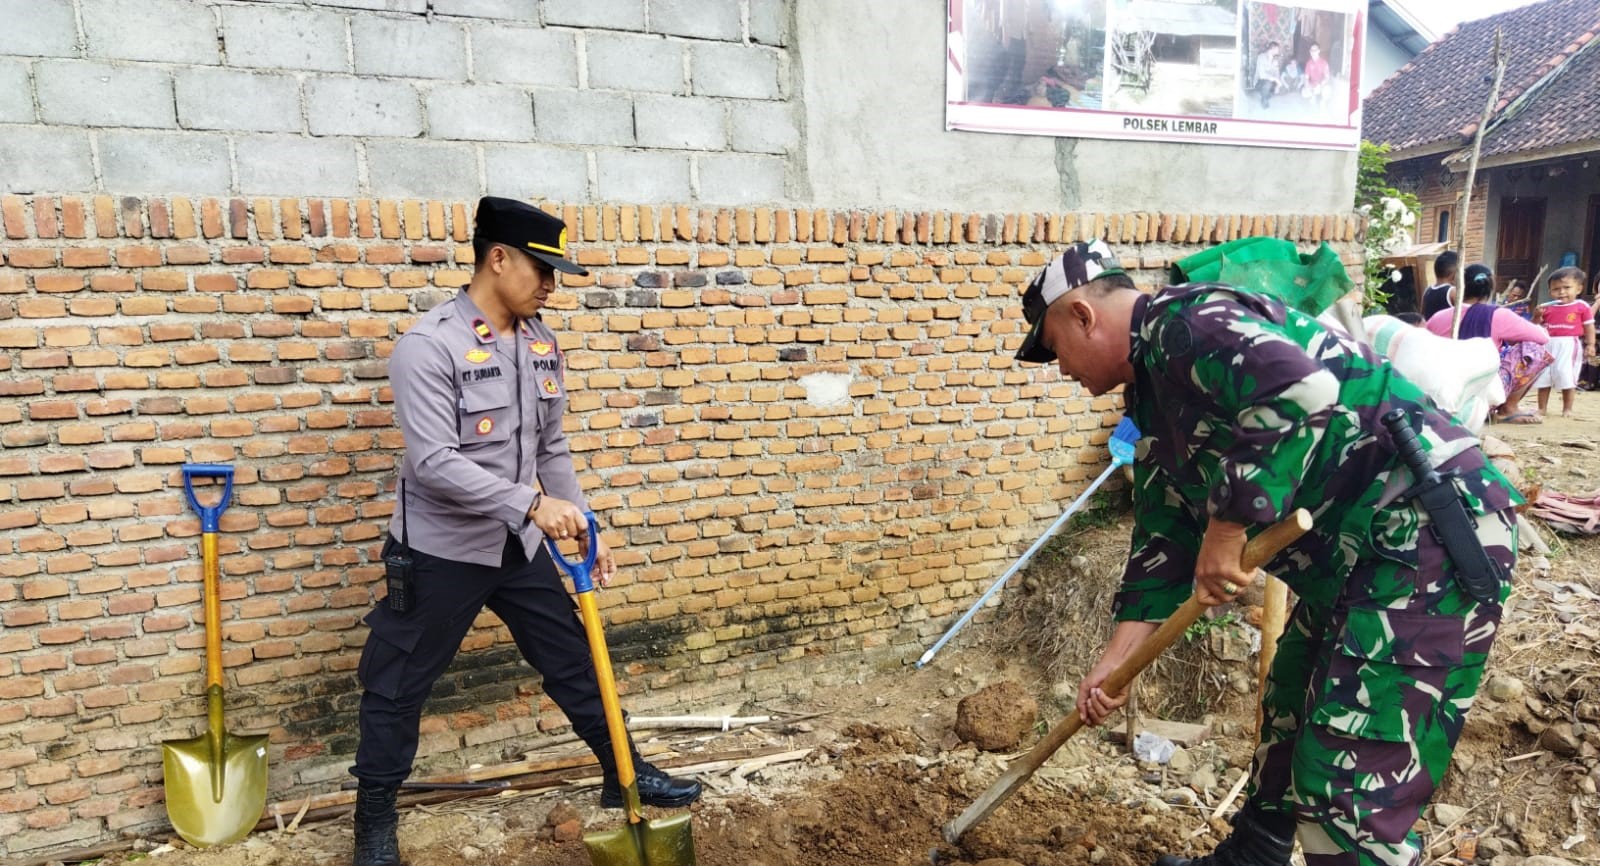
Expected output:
{"points": [[1258, 839], [656, 788], [376, 823]]}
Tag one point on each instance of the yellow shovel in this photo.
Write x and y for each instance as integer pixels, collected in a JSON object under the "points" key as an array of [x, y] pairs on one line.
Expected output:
{"points": [[216, 783], [660, 842]]}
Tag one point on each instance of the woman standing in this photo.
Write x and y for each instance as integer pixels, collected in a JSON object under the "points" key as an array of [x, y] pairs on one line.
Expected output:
{"points": [[1519, 341]]}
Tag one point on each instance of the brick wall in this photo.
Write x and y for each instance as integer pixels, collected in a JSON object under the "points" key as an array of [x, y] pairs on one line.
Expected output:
{"points": [[769, 540], [1425, 177], [617, 100]]}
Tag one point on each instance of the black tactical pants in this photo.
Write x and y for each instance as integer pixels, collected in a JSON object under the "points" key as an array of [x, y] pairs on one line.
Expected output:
{"points": [[406, 653]]}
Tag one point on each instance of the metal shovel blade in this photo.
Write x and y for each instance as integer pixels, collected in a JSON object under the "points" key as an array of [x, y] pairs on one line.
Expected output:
{"points": [[662, 842], [216, 783]]}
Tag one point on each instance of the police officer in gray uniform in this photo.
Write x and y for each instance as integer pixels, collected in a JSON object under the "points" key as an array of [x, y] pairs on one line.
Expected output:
{"points": [[487, 476]]}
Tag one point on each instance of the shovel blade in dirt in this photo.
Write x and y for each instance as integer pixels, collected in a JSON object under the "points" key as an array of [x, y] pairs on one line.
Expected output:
{"points": [[216, 783], [661, 842], [640, 842]]}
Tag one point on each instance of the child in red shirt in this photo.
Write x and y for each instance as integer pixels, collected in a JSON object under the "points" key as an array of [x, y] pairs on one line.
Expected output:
{"points": [[1317, 74], [1568, 320]]}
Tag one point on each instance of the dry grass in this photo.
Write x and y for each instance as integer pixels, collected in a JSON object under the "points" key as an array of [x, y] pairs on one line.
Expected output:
{"points": [[1059, 613]]}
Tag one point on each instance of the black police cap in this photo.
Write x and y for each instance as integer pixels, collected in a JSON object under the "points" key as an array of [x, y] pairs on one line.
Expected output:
{"points": [[521, 225]]}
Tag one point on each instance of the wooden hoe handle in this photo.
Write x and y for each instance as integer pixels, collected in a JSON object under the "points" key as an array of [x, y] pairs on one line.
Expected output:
{"points": [[1257, 552]]}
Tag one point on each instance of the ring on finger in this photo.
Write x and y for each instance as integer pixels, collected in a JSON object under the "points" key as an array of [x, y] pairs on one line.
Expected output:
{"points": [[1230, 587]]}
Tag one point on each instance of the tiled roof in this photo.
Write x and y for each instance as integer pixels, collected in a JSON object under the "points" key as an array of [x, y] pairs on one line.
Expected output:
{"points": [[1566, 110], [1437, 98]]}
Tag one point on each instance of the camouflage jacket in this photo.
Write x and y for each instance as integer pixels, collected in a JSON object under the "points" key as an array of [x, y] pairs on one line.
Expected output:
{"points": [[1249, 410]]}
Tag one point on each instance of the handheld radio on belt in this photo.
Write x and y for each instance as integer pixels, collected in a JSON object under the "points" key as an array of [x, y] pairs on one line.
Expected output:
{"points": [[1455, 529], [398, 573]]}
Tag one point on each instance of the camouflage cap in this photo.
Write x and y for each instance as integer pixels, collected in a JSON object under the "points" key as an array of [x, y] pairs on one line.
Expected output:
{"points": [[1081, 263]]}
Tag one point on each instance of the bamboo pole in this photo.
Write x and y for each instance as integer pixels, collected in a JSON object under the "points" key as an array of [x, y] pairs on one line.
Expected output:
{"points": [[1472, 172]]}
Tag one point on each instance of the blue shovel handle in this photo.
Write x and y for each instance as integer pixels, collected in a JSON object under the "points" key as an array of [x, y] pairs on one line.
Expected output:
{"points": [[209, 514], [580, 571]]}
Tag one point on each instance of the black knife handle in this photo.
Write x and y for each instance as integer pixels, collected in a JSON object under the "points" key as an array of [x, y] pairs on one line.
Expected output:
{"points": [[1406, 442]]}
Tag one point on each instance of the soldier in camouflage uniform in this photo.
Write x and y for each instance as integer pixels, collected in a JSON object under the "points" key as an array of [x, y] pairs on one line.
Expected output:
{"points": [[1250, 410]]}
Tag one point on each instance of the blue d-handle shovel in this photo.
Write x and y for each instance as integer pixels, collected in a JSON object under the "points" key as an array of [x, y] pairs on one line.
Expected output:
{"points": [[661, 842], [216, 783]]}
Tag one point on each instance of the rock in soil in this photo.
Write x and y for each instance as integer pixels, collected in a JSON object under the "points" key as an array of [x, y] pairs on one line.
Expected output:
{"points": [[561, 814], [1503, 687], [1445, 814], [995, 718], [1560, 738]]}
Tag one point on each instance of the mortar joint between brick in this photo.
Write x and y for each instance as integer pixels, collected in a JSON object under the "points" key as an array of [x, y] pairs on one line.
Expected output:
{"points": [[222, 39], [81, 37], [349, 45], [581, 58]]}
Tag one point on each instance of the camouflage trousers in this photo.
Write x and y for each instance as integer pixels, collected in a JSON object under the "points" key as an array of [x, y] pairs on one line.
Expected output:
{"points": [[1365, 702]]}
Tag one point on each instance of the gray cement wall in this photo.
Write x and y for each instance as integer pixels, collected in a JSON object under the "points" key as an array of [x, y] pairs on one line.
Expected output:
{"points": [[874, 126], [835, 103]]}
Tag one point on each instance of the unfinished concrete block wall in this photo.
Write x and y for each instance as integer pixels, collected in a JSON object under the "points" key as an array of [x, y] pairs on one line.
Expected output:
{"points": [[674, 100]]}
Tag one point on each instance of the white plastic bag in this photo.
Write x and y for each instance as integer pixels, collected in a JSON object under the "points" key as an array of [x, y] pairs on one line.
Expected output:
{"points": [[1153, 748], [1461, 376]]}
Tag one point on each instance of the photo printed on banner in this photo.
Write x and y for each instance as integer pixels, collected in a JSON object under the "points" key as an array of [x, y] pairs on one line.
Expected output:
{"points": [[1297, 63], [1039, 53], [1174, 57]]}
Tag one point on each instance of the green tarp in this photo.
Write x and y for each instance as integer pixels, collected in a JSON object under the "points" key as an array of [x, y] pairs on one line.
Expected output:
{"points": [[1272, 266]]}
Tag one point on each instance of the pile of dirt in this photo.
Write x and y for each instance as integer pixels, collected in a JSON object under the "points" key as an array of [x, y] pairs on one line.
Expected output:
{"points": [[995, 718], [886, 806]]}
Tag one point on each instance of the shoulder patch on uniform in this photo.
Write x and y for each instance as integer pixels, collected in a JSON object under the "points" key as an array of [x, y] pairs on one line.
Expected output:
{"points": [[550, 387], [1177, 340]]}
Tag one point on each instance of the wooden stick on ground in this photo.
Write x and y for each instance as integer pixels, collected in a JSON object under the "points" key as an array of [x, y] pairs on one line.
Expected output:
{"points": [[322, 807], [1233, 794], [523, 768], [723, 723], [78, 855], [1256, 553]]}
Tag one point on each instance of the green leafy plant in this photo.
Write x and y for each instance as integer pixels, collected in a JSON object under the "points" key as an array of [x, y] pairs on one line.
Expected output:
{"points": [[1102, 509], [1391, 215], [1205, 625]]}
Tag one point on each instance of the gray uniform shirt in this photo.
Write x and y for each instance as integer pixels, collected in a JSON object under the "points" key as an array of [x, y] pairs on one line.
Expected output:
{"points": [[481, 417]]}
